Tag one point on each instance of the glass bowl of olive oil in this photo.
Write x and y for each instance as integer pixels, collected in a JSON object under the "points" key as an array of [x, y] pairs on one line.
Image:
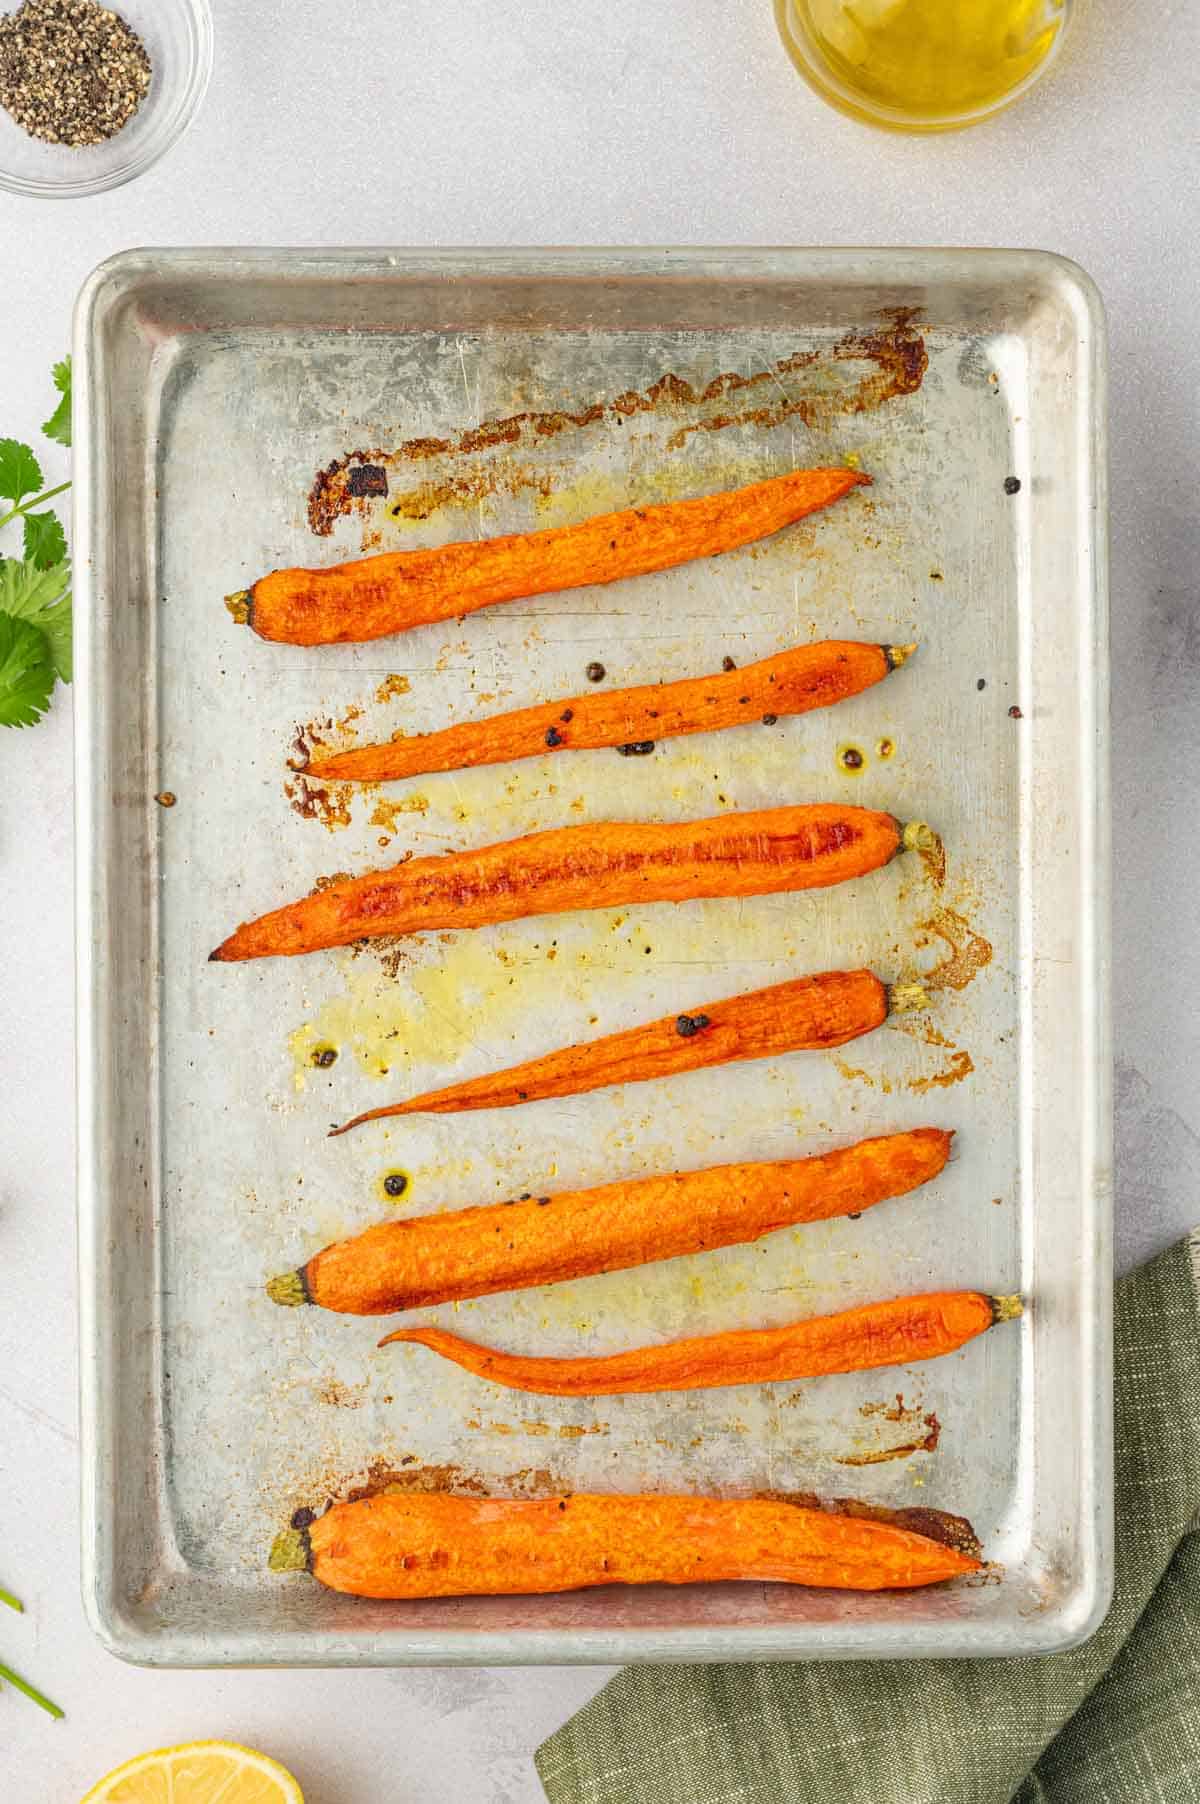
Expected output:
{"points": [[922, 65]]}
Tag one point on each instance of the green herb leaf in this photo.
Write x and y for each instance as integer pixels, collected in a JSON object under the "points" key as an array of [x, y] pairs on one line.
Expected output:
{"points": [[58, 426], [43, 598], [45, 540], [26, 672], [20, 472]]}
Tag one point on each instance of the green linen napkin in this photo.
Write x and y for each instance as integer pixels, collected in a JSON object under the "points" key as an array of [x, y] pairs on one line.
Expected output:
{"points": [[1115, 1721]]}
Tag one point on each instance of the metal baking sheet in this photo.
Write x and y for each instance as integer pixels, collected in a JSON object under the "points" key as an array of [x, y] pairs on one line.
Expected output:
{"points": [[226, 399]]}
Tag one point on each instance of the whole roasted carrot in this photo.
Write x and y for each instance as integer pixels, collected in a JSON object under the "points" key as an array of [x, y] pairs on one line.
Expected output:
{"points": [[419, 1261], [792, 682], [431, 1544], [373, 596], [603, 865], [854, 1340], [808, 1013]]}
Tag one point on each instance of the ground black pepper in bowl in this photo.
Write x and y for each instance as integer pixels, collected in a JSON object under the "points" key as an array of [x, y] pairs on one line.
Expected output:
{"points": [[71, 71]]}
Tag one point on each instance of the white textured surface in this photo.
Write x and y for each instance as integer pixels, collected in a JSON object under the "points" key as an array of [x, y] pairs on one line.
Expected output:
{"points": [[602, 122]]}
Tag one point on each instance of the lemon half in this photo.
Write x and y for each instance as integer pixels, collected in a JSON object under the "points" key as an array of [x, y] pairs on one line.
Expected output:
{"points": [[198, 1772]]}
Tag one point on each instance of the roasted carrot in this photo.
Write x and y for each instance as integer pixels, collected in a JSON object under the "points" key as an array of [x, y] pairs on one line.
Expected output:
{"points": [[600, 866], [370, 597], [792, 682], [807, 1013], [410, 1263], [854, 1340], [433, 1544]]}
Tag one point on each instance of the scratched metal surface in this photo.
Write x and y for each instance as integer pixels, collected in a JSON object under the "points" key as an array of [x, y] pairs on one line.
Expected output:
{"points": [[215, 387]]}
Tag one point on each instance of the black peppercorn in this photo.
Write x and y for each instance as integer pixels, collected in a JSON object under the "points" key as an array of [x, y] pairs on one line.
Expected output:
{"points": [[637, 749], [596, 673], [396, 1183], [687, 1025]]}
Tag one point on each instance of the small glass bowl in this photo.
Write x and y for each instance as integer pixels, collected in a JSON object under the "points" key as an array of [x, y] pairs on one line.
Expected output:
{"points": [[178, 39], [831, 68]]}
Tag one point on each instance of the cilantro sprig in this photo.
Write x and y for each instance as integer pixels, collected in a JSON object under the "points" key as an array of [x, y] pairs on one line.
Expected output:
{"points": [[35, 589]]}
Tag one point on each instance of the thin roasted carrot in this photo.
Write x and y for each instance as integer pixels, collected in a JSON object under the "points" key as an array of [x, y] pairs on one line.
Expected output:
{"points": [[808, 1013], [855, 1340], [432, 1544], [414, 1262], [598, 866], [371, 597], [792, 682]]}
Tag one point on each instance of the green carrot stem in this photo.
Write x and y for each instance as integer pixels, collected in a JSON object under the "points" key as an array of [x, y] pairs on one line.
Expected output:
{"points": [[43, 1703], [14, 1603]]}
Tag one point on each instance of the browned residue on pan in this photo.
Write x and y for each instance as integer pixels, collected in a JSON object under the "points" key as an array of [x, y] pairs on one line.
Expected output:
{"points": [[565, 1431], [961, 1065], [900, 361], [457, 491], [935, 1525], [341, 1396], [897, 1412], [391, 686], [856, 1074], [328, 803], [409, 1475], [967, 952], [387, 811], [932, 853], [328, 881], [813, 387]]}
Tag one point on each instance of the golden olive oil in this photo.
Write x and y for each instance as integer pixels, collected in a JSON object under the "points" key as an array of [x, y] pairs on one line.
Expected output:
{"points": [[920, 64]]}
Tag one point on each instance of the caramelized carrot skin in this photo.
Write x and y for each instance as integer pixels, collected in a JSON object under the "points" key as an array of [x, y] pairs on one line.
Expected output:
{"points": [[434, 1545], [805, 1013], [598, 866], [854, 1340], [793, 682], [369, 598], [461, 1253]]}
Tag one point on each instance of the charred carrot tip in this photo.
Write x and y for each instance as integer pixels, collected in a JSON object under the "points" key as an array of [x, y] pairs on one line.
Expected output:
{"points": [[897, 655], [1006, 1309], [238, 605]]}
